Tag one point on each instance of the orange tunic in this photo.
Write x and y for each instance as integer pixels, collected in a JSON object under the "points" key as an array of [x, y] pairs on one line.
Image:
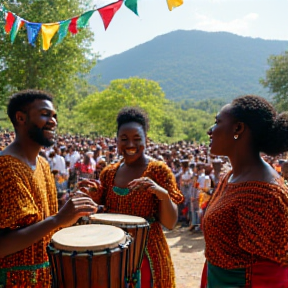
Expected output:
{"points": [[145, 204], [246, 223], [26, 197]]}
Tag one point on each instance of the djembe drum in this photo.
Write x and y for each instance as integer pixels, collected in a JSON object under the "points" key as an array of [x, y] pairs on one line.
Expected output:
{"points": [[138, 228], [89, 256]]}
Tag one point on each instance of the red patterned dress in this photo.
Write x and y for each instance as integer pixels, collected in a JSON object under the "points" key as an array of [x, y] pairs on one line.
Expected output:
{"points": [[26, 197], [145, 204], [246, 234]]}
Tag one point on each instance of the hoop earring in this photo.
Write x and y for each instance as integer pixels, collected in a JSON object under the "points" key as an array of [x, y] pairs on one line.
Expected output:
{"points": [[236, 137]]}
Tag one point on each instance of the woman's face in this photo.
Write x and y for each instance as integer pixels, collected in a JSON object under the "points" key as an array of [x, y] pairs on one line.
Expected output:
{"points": [[221, 134], [131, 141]]}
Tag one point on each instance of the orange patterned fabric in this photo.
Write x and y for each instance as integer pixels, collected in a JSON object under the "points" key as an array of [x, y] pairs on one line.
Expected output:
{"points": [[26, 197], [145, 204], [245, 223]]}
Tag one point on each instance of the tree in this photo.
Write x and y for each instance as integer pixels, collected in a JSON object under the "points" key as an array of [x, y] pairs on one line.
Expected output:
{"points": [[57, 70], [196, 124], [277, 80], [98, 111]]}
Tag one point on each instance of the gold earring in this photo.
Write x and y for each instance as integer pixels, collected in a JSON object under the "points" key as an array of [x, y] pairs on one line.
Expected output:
{"points": [[236, 137]]}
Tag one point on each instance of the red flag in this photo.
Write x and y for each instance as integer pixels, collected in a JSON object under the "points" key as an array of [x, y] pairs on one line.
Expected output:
{"points": [[108, 12], [9, 22], [73, 25]]}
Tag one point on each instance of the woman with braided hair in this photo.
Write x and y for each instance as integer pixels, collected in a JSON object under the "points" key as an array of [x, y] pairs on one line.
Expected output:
{"points": [[246, 222]]}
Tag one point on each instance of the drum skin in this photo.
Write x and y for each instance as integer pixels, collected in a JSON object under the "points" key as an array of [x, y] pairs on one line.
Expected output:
{"points": [[101, 265]]}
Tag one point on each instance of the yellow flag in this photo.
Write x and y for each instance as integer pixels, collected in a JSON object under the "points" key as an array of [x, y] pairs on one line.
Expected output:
{"points": [[48, 31], [174, 3]]}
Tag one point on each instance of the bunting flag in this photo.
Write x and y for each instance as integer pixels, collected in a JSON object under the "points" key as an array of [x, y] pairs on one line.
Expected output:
{"points": [[15, 28], [73, 26], [132, 5], [48, 32], [107, 13], [32, 32], [84, 18], [174, 3], [63, 30], [10, 23]]}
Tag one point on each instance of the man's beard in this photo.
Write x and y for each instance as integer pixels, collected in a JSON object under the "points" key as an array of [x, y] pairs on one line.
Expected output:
{"points": [[37, 135]]}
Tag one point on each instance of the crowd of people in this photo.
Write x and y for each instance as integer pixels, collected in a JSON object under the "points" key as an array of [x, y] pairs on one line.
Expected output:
{"points": [[76, 157], [239, 200]]}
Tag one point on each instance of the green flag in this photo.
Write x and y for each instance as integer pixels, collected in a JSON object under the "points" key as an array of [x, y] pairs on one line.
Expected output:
{"points": [[132, 5], [15, 28], [84, 18], [63, 30]]}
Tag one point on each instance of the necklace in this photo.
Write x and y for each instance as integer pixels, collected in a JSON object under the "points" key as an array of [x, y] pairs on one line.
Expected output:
{"points": [[121, 191]]}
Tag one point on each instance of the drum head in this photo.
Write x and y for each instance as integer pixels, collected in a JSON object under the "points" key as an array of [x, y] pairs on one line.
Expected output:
{"points": [[88, 237], [110, 218]]}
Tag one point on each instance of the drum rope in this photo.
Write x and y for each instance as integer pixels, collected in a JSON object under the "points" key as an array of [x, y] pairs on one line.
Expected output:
{"points": [[62, 268], [74, 268], [90, 258], [109, 266]]}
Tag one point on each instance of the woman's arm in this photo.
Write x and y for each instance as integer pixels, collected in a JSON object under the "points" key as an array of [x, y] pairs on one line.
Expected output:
{"points": [[168, 212]]}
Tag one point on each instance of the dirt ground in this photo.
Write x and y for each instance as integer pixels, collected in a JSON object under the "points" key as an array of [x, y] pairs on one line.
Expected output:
{"points": [[187, 250]]}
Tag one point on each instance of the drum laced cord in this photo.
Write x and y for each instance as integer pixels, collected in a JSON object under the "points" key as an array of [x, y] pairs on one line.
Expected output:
{"points": [[133, 281]]}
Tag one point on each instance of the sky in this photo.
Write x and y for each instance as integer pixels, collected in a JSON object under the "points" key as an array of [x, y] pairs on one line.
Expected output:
{"points": [[267, 19]]}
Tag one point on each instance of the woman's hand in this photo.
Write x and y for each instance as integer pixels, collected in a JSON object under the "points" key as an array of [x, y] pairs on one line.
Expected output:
{"points": [[89, 186], [150, 185]]}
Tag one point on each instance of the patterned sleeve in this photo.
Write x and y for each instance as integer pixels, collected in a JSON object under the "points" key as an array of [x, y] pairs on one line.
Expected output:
{"points": [[164, 177], [263, 221], [17, 206]]}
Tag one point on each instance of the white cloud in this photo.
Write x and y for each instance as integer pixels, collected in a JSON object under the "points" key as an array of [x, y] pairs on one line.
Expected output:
{"points": [[238, 26]]}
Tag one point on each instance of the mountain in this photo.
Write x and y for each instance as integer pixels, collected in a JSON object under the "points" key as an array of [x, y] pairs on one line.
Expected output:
{"points": [[194, 64]]}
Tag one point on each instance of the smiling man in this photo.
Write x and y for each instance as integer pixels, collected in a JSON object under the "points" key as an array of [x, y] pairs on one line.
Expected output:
{"points": [[28, 201]]}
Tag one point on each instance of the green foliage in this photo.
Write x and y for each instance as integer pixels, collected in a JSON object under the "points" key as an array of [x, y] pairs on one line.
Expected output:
{"points": [[98, 109], [57, 70], [196, 124], [168, 122], [211, 106], [277, 80]]}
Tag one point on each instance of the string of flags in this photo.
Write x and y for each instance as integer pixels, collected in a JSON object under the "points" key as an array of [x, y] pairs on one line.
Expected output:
{"points": [[12, 23]]}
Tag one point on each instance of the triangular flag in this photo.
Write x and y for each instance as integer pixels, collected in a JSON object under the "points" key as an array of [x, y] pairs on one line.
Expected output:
{"points": [[22, 23], [32, 31], [102, 3], [108, 12], [15, 28], [63, 30], [174, 3], [9, 22], [84, 18], [48, 32], [73, 25], [132, 5]]}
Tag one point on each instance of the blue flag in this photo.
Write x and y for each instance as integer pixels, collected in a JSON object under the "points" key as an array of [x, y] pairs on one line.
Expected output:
{"points": [[32, 32]]}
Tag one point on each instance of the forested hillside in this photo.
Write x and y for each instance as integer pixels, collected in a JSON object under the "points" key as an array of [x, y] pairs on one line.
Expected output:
{"points": [[194, 64]]}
